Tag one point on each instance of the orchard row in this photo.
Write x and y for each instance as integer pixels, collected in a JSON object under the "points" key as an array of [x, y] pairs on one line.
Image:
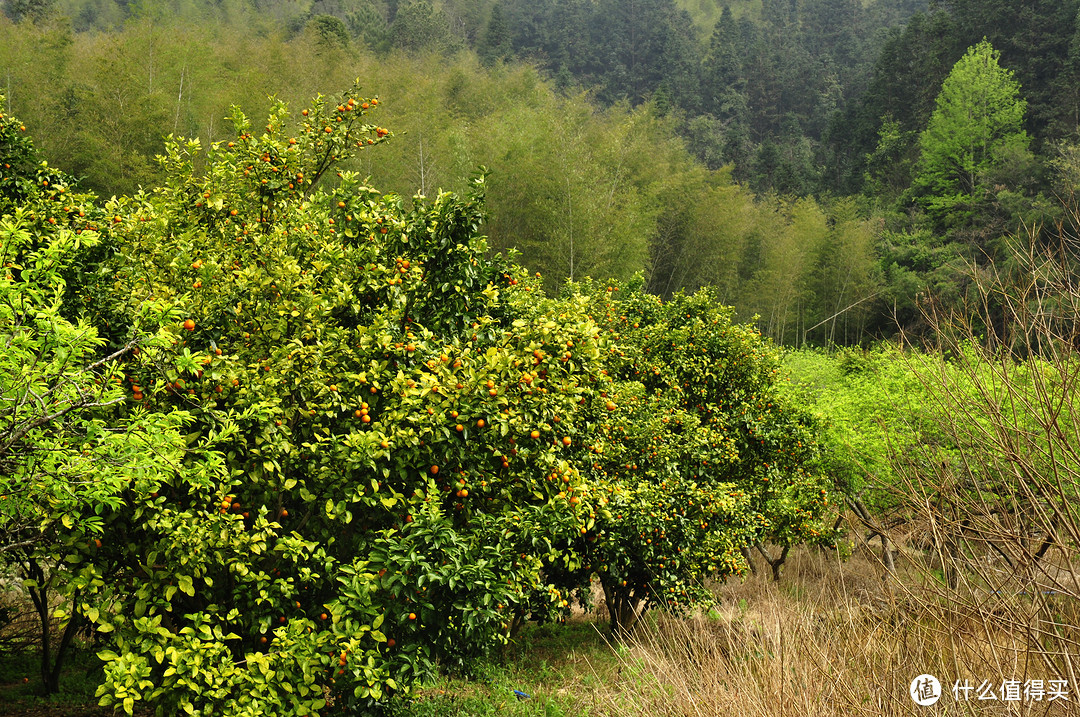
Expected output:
{"points": [[332, 442]]}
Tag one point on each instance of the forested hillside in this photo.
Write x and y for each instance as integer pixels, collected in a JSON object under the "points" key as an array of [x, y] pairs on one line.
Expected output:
{"points": [[774, 150]]}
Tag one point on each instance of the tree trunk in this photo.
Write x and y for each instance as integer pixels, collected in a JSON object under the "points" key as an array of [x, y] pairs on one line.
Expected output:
{"points": [[777, 563], [745, 550], [875, 529], [625, 608], [50, 664]]}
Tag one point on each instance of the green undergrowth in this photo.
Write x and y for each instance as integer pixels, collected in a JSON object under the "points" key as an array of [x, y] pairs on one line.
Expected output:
{"points": [[557, 665], [20, 684]]}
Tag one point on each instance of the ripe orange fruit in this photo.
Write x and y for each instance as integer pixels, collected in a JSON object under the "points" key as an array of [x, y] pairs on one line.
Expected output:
{"points": [[480, 423], [434, 470], [391, 642], [412, 615], [534, 435], [189, 325], [566, 440]]}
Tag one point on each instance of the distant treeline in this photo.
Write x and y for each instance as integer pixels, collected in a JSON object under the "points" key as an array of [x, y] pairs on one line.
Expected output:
{"points": [[772, 149]]}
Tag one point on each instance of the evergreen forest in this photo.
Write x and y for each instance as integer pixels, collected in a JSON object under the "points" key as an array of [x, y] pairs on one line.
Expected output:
{"points": [[781, 151]]}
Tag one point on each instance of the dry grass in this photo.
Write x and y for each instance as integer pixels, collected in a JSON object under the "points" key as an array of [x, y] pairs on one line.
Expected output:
{"points": [[831, 638]]}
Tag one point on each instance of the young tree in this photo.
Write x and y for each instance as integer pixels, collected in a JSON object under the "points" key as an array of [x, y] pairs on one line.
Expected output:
{"points": [[419, 27], [977, 122], [497, 41]]}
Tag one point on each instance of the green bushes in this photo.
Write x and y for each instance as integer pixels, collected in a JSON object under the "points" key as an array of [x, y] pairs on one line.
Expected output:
{"points": [[413, 449]]}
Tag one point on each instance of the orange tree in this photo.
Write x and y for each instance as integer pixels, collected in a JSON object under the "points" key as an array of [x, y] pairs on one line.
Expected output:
{"points": [[69, 452], [697, 454], [419, 449], [396, 411]]}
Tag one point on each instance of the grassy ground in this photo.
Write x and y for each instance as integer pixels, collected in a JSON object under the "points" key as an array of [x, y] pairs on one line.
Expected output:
{"points": [[19, 687], [832, 638], [557, 666]]}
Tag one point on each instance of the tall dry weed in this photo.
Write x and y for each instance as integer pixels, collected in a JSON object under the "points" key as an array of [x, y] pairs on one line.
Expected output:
{"points": [[831, 639]]}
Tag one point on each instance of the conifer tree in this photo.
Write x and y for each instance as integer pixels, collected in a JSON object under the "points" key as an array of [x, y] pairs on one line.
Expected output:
{"points": [[977, 123]]}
